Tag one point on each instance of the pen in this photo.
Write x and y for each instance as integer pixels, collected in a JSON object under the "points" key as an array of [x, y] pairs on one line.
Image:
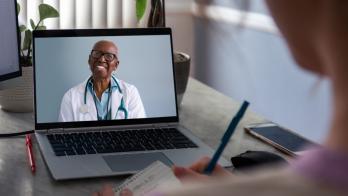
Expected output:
{"points": [[226, 138], [30, 152]]}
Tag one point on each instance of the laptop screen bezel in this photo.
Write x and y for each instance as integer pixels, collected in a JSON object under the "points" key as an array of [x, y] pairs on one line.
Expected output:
{"points": [[96, 33]]}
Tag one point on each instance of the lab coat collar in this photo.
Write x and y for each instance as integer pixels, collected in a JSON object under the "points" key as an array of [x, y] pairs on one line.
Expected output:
{"points": [[113, 84], [116, 102]]}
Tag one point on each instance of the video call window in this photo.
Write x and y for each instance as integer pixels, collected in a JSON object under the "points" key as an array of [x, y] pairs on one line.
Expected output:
{"points": [[104, 78]]}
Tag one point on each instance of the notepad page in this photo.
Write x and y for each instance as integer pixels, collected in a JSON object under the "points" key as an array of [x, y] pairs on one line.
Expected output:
{"points": [[156, 176]]}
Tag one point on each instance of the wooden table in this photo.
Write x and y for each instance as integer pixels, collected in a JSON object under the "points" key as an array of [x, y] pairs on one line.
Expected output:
{"points": [[204, 111]]}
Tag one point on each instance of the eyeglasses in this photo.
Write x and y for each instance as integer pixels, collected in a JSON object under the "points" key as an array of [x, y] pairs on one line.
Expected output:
{"points": [[108, 56]]}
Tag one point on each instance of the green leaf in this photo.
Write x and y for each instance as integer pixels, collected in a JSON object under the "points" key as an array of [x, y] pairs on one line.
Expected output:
{"points": [[32, 24], [47, 11], [41, 27], [27, 39], [22, 28], [18, 8], [140, 8]]}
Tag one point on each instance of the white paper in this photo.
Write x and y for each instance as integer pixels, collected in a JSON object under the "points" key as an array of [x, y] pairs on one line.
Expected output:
{"points": [[157, 176]]}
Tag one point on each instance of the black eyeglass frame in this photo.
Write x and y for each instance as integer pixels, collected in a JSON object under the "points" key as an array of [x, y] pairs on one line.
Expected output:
{"points": [[103, 54]]}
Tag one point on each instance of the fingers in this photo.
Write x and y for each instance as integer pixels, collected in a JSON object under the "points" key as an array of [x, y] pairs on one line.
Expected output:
{"points": [[188, 175], [202, 163], [106, 191], [126, 192], [95, 194]]}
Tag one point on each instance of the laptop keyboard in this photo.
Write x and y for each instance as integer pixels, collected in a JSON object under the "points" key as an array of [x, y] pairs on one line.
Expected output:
{"points": [[66, 144]]}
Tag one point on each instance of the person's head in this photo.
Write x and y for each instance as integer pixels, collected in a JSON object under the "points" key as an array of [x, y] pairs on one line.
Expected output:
{"points": [[312, 28], [316, 32], [103, 59]]}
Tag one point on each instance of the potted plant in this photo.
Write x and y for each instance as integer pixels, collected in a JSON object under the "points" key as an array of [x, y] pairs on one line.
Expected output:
{"points": [[143, 13], [156, 14], [45, 11], [17, 94]]}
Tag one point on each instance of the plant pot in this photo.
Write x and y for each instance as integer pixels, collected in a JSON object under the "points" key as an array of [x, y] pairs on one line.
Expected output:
{"points": [[182, 72], [17, 95]]}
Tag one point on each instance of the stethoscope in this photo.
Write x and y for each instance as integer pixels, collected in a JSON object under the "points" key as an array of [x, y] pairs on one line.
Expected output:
{"points": [[121, 108]]}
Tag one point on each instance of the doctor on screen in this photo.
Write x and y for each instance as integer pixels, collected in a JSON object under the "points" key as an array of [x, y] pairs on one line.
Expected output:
{"points": [[102, 96]]}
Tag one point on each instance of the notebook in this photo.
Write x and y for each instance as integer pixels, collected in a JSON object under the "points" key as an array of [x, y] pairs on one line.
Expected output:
{"points": [[83, 132]]}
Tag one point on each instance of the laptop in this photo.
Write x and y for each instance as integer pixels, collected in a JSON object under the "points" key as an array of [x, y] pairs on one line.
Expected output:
{"points": [[84, 147]]}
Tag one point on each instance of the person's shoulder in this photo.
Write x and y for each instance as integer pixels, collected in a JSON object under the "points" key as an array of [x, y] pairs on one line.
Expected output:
{"points": [[279, 181], [272, 181], [125, 85], [77, 88]]}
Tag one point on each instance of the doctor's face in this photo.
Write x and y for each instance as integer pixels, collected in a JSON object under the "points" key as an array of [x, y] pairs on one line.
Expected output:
{"points": [[103, 60]]}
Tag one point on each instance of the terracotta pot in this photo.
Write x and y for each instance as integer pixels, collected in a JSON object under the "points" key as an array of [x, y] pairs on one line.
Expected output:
{"points": [[16, 95]]}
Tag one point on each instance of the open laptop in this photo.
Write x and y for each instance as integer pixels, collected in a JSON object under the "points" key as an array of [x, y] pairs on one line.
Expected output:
{"points": [[89, 147]]}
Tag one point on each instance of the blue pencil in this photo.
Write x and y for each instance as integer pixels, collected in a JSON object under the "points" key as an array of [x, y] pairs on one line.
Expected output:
{"points": [[225, 139]]}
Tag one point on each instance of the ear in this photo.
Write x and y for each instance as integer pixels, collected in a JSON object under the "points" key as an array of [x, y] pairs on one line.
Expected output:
{"points": [[89, 60], [117, 63]]}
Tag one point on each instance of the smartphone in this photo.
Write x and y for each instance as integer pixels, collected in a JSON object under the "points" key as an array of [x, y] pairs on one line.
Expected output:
{"points": [[280, 138]]}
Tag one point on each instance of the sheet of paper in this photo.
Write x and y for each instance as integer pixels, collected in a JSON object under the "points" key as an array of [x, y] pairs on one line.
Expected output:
{"points": [[156, 176]]}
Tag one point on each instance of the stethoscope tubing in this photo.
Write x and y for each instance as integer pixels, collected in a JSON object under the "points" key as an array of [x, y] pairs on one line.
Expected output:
{"points": [[120, 108]]}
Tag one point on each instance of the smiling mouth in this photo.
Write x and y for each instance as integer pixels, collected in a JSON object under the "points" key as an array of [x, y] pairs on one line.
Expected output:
{"points": [[102, 66]]}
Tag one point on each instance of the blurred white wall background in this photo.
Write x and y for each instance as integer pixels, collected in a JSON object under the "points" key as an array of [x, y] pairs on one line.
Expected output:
{"points": [[248, 61], [81, 14]]}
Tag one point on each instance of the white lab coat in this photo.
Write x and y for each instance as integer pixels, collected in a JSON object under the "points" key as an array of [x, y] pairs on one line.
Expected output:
{"points": [[73, 102]]}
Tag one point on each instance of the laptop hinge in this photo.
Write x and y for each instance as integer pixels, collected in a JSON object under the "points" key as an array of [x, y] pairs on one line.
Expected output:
{"points": [[57, 130], [161, 125], [62, 130]]}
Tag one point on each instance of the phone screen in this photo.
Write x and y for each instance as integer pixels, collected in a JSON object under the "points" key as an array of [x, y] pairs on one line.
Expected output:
{"points": [[282, 137]]}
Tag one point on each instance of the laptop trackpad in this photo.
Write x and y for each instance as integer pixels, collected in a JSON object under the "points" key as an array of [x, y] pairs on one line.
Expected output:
{"points": [[134, 162]]}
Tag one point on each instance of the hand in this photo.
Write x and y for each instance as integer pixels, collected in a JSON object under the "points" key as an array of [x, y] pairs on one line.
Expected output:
{"points": [[194, 173], [108, 191]]}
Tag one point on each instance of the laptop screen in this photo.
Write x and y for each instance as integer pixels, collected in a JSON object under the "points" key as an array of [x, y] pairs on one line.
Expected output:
{"points": [[103, 77]]}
